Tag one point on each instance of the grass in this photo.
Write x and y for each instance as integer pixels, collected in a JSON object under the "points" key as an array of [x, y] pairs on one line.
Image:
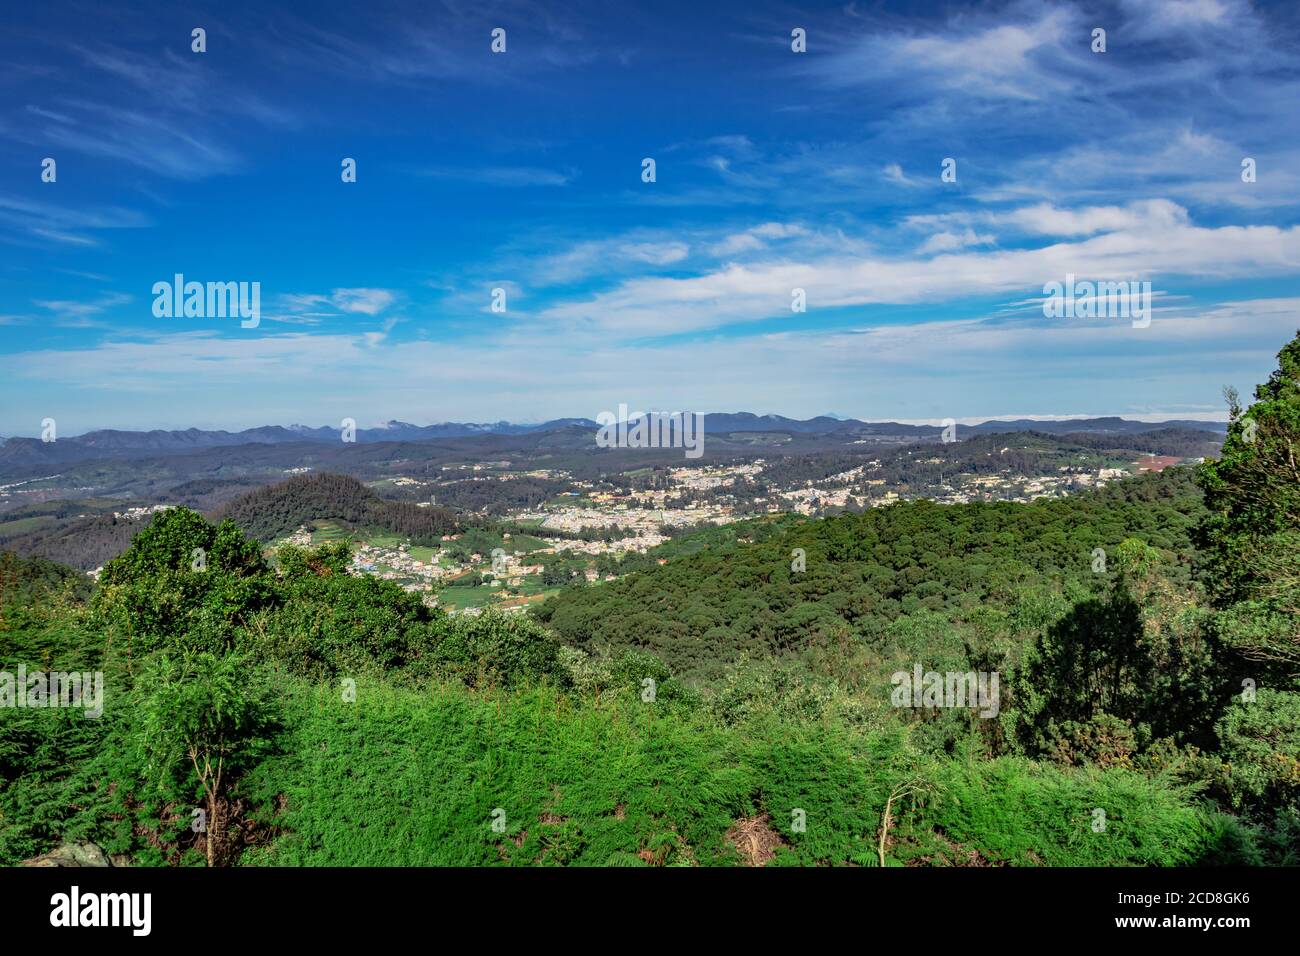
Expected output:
{"points": [[422, 553], [532, 584], [457, 599], [328, 533], [524, 543]]}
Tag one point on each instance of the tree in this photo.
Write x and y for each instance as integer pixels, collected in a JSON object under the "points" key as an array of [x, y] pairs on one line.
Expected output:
{"points": [[181, 575], [1260, 751], [1251, 538], [204, 718], [498, 650], [1132, 655]]}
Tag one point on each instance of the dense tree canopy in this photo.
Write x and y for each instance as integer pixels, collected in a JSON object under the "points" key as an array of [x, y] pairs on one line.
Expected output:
{"points": [[1251, 536], [279, 509], [863, 571]]}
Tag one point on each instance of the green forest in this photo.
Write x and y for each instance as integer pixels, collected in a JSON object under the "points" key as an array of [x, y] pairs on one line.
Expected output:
{"points": [[738, 704]]}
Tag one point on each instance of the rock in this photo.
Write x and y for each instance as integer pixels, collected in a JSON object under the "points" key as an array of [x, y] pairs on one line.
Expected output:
{"points": [[72, 854]]}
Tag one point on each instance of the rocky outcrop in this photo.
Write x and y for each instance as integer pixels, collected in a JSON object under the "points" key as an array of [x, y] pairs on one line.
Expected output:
{"points": [[77, 854]]}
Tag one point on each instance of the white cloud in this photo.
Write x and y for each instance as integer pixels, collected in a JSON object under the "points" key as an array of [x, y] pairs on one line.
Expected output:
{"points": [[655, 253], [1160, 242], [616, 254], [67, 225], [758, 237], [1172, 17], [1047, 220], [994, 60], [365, 301], [906, 371], [316, 306], [893, 172], [949, 241], [70, 313]]}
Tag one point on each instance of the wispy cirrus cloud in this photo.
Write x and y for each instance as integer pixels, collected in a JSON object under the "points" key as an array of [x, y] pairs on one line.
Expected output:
{"points": [[142, 111], [73, 313], [508, 176], [993, 60], [586, 258], [409, 45], [144, 139], [361, 301], [757, 237], [52, 222]]}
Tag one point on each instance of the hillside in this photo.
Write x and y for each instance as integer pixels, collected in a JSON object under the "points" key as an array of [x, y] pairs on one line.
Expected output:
{"points": [[279, 509], [84, 543], [923, 468], [24, 581], [726, 774], [85, 534], [702, 612]]}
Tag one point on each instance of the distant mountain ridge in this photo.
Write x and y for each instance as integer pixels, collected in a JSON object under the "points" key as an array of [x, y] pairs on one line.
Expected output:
{"points": [[116, 443], [122, 444], [167, 440]]}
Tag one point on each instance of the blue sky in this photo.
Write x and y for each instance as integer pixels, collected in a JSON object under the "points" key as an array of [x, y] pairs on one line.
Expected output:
{"points": [[522, 171]]}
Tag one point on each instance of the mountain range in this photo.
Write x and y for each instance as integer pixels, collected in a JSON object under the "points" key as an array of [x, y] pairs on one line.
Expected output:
{"points": [[729, 432], [117, 444]]}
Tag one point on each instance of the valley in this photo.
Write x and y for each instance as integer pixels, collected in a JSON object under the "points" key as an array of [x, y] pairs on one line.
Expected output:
{"points": [[506, 520]]}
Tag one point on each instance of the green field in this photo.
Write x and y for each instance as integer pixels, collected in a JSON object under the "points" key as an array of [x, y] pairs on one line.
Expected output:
{"points": [[24, 525], [457, 599], [326, 532], [382, 539], [524, 543]]}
